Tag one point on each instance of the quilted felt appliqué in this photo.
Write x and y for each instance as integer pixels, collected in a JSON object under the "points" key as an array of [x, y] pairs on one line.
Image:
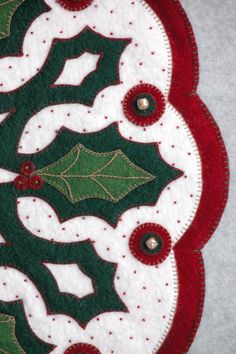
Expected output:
{"points": [[113, 176]]}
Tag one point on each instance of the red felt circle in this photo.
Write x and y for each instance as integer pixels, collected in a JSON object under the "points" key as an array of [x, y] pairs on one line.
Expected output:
{"points": [[75, 5], [82, 348], [130, 97], [136, 241], [27, 168], [35, 182], [21, 183]]}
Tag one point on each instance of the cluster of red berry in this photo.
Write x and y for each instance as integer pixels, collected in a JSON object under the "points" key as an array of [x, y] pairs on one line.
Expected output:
{"points": [[26, 180]]}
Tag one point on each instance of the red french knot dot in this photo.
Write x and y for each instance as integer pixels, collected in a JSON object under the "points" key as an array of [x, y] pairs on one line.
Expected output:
{"points": [[21, 183], [130, 98], [27, 168], [35, 182], [82, 348]]}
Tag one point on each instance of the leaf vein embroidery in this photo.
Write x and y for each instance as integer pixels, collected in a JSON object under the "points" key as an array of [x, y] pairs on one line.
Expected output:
{"points": [[70, 167]]}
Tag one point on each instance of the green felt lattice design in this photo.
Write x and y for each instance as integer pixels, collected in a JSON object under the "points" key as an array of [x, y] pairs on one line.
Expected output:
{"points": [[27, 253], [84, 174], [16, 337]]}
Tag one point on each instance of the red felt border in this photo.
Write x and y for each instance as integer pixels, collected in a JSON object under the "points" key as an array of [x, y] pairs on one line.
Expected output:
{"points": [[215, 175]]}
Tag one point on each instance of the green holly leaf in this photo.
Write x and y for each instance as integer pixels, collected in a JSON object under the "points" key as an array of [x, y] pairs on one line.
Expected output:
{"points": [[84, 174], [8, 341], [7, 10]]}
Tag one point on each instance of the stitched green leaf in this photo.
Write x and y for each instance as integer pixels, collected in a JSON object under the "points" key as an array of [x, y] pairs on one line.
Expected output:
{"points": [[7, 9], [84, 174], [8, 341]]}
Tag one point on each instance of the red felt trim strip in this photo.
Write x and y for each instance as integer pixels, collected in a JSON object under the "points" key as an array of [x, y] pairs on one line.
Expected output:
{"points": [[215, 175]]}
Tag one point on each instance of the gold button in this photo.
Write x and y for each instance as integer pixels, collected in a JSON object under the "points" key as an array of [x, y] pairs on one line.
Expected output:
{"points": [[143, 104], [151, 243]]}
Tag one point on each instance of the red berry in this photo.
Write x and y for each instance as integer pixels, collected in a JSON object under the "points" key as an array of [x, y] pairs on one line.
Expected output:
{"points": [[21, 183], [35, 182], [27, 168]]}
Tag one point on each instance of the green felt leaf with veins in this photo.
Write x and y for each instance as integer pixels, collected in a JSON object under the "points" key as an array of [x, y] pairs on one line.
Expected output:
{"points": [[84, 174], [8, 340], [7, 10]]}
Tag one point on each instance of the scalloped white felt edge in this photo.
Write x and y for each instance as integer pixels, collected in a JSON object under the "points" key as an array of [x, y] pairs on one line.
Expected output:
{"points": [[170, 131]]}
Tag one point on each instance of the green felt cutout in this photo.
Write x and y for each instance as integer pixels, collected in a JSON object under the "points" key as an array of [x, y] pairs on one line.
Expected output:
{"points": [[16, 337], [40, 92], [28, 254], [20, 22], [84, 174], [8, 340], [7, 10]]}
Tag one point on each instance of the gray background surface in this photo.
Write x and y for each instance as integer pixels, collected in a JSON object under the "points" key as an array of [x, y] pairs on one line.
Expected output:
{"points": [[214, 24]]}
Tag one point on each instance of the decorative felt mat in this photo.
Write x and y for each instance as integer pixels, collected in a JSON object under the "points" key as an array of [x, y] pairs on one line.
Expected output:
{"points": [[113, 177]]}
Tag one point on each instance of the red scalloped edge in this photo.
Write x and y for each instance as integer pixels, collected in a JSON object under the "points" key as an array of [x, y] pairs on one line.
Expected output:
{"points": [[73, 5], [215, 170]]}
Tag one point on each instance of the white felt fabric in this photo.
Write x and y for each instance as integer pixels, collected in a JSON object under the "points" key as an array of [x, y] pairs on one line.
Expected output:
{"points": [[150, 293]]}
